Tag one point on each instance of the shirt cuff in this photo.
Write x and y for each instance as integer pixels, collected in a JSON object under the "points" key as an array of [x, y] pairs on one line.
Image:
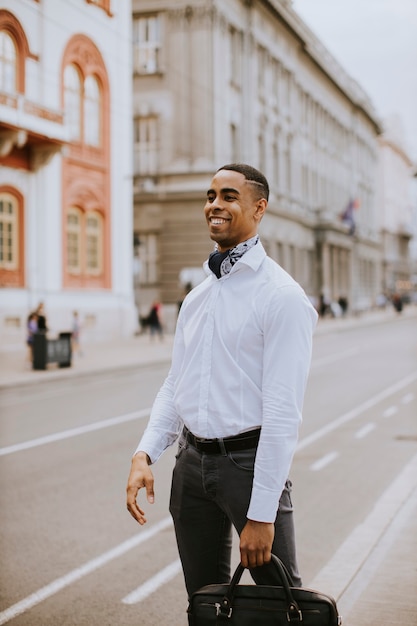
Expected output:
{"points": [[263, 505]]}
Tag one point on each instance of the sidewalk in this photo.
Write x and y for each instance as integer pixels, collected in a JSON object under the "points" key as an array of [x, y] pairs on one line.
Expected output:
{"points": [[385, 597], [136, 351], [141, 350]]}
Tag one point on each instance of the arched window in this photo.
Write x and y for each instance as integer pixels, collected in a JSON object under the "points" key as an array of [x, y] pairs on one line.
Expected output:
{"points": [[8, 63], [94, 243], [86, 167], [72, 101], [84, 243], [74, 248], [92, 111], [9, 232]]}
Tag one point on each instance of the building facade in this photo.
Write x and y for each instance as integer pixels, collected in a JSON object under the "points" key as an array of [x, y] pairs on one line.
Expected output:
{"points": [[66, 166], [395, 204], [224, 81]]}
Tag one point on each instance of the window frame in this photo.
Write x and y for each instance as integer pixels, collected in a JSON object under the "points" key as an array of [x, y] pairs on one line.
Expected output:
{"points": [[146, 145], [95, 234], [85, 233], [74, 269], [13, 226], [6, 63], [150, 48], [12, 273], [78, 100]]}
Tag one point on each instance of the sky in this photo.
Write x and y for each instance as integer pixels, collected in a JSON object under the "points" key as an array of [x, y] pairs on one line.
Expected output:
{"points": [[375, 41]]}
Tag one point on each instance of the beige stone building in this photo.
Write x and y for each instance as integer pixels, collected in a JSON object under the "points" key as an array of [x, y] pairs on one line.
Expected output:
{"points": [[394, 199], [219, 81]]}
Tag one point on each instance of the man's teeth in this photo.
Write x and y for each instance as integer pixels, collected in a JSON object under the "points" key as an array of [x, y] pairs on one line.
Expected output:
{"points": [[217, 220]]}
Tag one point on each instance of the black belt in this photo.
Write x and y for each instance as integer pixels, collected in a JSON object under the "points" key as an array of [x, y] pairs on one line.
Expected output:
{"points": [[244, 441]]}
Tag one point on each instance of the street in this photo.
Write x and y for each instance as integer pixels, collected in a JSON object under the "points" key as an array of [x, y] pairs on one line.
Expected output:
{"points": [[72, 555]]}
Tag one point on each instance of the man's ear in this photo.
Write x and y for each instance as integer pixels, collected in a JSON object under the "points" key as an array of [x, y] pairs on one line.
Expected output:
{"points": [[260, 209]]}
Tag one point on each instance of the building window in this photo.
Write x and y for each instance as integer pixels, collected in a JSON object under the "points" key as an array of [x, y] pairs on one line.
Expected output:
{"points": [[94, 240], [146, 44], [288, 165], [72, 101], [8, 63], [235, 143], [261, 70], [236, 55], [74, 219], [145, 145], [92, 111], [9, 230], [84, 242], [83, 106], [149, 258]]}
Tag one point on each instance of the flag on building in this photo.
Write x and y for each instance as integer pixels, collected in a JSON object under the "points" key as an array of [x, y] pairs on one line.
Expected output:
{"points": [[348, 216]]}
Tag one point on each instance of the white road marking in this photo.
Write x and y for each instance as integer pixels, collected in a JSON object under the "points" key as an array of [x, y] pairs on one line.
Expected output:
{"points": [[324, 461], [390, 411], [409, 397], [350, 415], [348, 563], [80, 572], [113, 421], [74, 432], [151, 585], [365, 430], [337, 575], [367, 572]]}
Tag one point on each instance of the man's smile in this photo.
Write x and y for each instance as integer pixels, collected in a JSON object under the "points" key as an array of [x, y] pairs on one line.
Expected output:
{"points": [[217, 220]]}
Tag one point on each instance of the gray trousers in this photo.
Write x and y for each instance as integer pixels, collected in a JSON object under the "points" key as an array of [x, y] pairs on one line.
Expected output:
{"points": [[209, 495]]}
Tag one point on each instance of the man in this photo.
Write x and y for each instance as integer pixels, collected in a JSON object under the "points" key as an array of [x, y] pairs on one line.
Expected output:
{"points": [[234, 394]]}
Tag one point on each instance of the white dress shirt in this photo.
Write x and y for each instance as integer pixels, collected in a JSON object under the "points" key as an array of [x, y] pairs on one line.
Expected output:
{"points": [[241, 358]]}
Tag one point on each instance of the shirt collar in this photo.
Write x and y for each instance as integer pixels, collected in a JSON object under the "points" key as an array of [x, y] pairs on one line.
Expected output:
{"points": [[252, 258]]}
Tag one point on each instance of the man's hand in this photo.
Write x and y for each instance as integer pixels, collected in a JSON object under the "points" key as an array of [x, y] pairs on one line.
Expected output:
{"points": [[140, 476], [256, 541]]}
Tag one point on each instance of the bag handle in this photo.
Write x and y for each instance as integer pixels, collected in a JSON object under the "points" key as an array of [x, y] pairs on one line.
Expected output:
{"points": [[225, 609]]}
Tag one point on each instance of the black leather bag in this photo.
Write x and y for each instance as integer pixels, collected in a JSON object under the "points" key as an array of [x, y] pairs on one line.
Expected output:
{"points": [[261, 605]]}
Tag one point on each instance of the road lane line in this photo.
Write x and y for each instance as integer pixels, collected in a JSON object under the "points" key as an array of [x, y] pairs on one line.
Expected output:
{"points": [[113, 421], [151, 585], [75, 575], [337, 575], [390, 411], [324, 461], [366, 574], [409, 397], [74, 432], [350, 415], [365, 430]]}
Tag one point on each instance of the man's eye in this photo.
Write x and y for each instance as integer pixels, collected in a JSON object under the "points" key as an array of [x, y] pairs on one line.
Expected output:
{"points": [[229, 198], [210, 198]]}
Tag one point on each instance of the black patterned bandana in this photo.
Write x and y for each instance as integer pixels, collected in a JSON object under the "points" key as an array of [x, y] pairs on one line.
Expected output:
{"points": [[221, 263]]}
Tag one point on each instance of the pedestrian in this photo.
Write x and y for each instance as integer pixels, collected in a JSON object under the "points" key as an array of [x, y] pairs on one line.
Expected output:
{"points": [[75, 334], [397, 302], [154, 320], [233, 396], [31, 329], [42, 324]]}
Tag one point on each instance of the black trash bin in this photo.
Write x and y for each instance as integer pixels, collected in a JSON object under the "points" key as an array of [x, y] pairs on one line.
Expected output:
{"points": [[65, 349], [51, 350], [39, 351]]}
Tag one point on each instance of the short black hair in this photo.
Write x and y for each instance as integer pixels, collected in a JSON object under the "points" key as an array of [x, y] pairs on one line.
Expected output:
{"points": [[252, 175]]}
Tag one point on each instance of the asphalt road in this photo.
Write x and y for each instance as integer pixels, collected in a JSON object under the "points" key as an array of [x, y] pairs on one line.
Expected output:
{"points": [[71, 554]]}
